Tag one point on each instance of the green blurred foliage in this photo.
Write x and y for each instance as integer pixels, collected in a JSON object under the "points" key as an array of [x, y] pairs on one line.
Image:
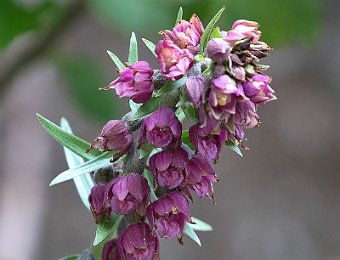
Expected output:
{"points": [[16, 19], [84, 78]]}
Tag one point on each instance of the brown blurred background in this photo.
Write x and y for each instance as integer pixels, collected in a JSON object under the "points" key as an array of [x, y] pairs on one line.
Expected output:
{"points": [[280, 201]]}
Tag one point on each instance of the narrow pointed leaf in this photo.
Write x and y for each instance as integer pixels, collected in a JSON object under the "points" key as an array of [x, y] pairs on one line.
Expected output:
{"points": [[106, 229], [120, 65], [70, 141], [83, 183], [186, 139], [234, 147], [188, 230], [134, 106], [179, 15], [208, 30], [150, 45], [89, 166], [133, 51], [216, 33], [200, 225]]}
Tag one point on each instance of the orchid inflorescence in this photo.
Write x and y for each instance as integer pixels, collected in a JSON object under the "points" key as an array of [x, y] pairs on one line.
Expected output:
{"points": [[209, 77]]}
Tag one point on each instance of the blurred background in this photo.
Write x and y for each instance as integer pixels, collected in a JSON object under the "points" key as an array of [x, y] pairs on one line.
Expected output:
{"points": [[280, 201]]}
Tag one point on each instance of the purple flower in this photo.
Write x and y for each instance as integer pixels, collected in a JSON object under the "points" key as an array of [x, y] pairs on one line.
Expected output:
{"points": [[186, 35], [110, 251], [168, 167], [175, 54], [207, 145], [201, 176], [134, 82], [173, 61], [99, 206], [195, 89], [243, 29], [258, 89], [138, 243], [224, 95], [168, 215], [128, 193], [161, 128], [115, 136], [218, 50]]}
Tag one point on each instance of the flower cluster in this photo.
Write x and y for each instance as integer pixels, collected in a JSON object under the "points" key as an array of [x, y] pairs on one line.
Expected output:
{"points": [[156, 175]]}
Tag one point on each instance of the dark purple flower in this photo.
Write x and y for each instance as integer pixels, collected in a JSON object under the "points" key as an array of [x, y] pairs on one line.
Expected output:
{"points": [[224, 95], [161, 128], [201, 176], [128, 193], [134, 82], [168, 167], [195, 89], [218, 50], [115, 136], [138, 243], [243, 29], [99, 206], [110, 251], [258, 89], [168, 215], [208, 145]]}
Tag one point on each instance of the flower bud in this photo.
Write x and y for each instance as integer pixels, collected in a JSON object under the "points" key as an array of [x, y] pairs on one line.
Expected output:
{"points": [[99, 206], [243, 29], [195, 89], [128, 193], [201, 176], [258, 89], [168, 215], [168, 167], [134, 82], [137, 243], [218, 50], [115, 136], [110, 251], [161, 128]]}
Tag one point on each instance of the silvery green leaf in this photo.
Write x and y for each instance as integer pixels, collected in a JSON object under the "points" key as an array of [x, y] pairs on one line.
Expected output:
{"points": [[200, 225], [96, 163], [85, 182], [190, 232], [106, 229], [179, 15], [234, 147], [70, 141], [70, 257], [208, 30], [120, 65], [133, 50], [150, 45]]}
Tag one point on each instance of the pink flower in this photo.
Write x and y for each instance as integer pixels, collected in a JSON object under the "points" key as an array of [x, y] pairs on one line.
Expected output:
{"points": [[243, 29], [134, 82]]}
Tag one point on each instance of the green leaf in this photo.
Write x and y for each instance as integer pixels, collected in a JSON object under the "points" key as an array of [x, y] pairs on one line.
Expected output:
{"points": [[189, 112], [216, 33], [133, 50], [94, 164], [134, 106], [70, 257], [70, 141], [120, 65], [190, 232], [172, 85], [168, 99], [85, 182], [208, 30], [200, 225], [106, 228], [150, 45], [186, 139], [150, 179], [234, 147], [179, 15]]}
